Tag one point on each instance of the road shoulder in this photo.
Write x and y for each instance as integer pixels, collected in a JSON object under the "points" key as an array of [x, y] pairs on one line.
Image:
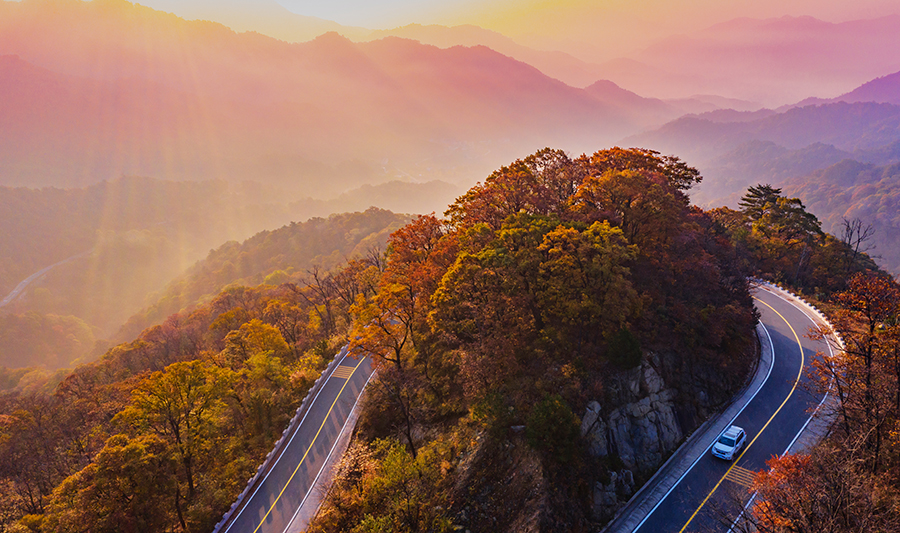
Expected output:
{"points": [[670, 473]]}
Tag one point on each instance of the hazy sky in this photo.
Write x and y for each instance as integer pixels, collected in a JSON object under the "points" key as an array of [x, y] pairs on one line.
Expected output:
{"points": [[526, 15], [589, 26]]}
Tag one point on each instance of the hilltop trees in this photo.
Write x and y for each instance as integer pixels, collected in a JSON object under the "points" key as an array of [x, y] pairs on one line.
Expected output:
{"points": [[548, 276], [781, 240], [545, 262]]}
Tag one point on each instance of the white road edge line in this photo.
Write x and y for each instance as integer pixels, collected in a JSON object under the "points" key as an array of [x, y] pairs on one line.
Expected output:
{"points": [[802, 429], [328, 457], [697, 460], [275, 462]]}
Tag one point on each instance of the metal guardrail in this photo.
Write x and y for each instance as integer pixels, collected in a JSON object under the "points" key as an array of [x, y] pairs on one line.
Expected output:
{"points": [[294, 424]]}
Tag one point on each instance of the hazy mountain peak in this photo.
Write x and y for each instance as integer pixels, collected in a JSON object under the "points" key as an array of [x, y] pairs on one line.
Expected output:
{"points": [[334, 38], [885, 89]]}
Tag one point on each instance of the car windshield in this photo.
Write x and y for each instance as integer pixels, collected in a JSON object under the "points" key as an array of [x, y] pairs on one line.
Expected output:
{"points": [[727, 441]]}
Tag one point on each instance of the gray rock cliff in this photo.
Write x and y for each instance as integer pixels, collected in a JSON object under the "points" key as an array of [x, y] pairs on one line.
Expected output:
{"points": [[640, 433]]}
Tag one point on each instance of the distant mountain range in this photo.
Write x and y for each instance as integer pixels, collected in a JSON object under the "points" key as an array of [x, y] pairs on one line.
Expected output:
{"points": [[785, 59], [736, 150], [94, 90], [851, 189], [840, 155], [846, 126], [267, 17], [770, 61]]}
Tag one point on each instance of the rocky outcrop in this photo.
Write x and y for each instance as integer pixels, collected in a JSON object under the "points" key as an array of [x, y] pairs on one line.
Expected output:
{"points": [[640, 433], [607, 497]]}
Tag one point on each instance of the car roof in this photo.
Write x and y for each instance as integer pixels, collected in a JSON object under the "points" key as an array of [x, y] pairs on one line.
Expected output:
{"points": [[733, 431]]}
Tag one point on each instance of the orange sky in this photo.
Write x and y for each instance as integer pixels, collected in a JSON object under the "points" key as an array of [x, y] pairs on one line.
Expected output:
{"points": [[592, 29]]}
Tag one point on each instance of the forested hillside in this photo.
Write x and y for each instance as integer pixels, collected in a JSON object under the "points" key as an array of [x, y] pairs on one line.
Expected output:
{"points": [[162, 432], [108, 250], [299, 251], [558, 291], [540, 292], [852, 191]]}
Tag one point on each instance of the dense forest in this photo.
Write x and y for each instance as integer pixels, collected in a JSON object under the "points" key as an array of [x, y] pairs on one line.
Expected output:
{"points": [[535, 297], [541, 288], [162, 433], [113, 249]]}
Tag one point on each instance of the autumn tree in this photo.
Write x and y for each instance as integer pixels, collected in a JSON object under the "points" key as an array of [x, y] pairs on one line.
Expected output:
{"points": [[856, 236], [125, 489], [540, 184], [32, 451], [384, 488], [678, 174], [865, 370], [180, 405], [825, 492], [391, 326], [642, 203]]}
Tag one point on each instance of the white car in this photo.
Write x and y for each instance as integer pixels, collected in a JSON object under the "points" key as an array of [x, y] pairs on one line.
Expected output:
{"points": [[729, 443]]}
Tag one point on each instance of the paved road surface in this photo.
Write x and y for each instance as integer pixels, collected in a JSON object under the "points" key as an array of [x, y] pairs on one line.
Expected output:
{"points": [[274, 502], [27, 281], [711, 494]]}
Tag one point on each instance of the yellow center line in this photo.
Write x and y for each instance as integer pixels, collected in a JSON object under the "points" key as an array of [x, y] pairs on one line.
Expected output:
{"points": [[734, 463], [311, 444]]}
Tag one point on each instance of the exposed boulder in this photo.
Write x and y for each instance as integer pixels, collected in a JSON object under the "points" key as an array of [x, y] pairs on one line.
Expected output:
{"points": [[640, 433], [607, 497]]}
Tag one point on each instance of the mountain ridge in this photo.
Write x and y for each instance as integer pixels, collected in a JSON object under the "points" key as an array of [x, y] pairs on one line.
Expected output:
{"points": [[249, 96]]}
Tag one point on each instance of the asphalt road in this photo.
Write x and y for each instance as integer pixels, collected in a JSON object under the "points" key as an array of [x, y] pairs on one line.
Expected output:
{"points": [[710, 495], [274, 502], [17, 291]]}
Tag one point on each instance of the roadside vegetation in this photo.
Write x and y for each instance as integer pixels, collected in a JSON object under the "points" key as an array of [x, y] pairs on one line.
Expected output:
{"points": [[495, 326], [849, 481], [162, 433], [492, 328]]}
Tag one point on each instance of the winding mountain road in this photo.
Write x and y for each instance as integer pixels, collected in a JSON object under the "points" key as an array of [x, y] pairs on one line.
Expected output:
{"points": [[17, 291], [711, 494], [699, 494], [274, 502]]}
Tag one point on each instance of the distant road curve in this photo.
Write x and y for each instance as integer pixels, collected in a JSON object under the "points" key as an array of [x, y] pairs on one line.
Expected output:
{"points": [[27, 281]]}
